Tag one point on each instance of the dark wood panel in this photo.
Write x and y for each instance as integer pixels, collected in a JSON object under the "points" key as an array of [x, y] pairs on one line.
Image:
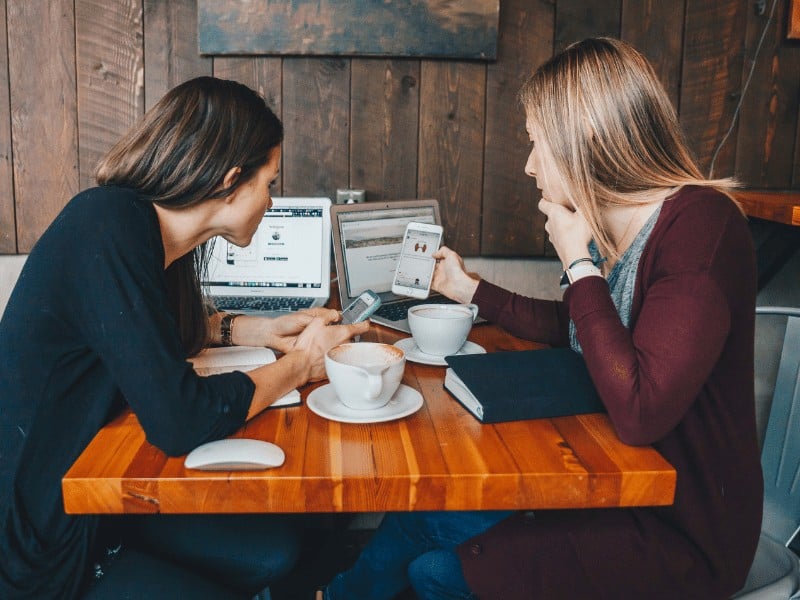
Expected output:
{"points": [[511, 222], [655, 28], [170, 50], [383, 133], [579, 19], [264, 76], [357, 27], [711, 80], [379, 124], [8, 233], [110, 57], [769, 116], [316, 110], [41, 57], [451, 141]]}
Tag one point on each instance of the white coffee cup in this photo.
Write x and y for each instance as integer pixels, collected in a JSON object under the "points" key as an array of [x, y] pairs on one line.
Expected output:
{"points": [[441, 329], [365, 375]]}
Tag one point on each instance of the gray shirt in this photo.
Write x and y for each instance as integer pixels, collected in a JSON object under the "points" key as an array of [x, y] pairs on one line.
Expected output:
{"points": [[622, 278]]}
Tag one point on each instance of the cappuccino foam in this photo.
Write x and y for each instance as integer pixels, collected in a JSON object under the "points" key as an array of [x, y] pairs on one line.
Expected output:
{"points": [[362, 355]]}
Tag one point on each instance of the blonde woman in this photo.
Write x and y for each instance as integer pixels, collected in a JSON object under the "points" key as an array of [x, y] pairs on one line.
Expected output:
{"points": [[660, 293]]}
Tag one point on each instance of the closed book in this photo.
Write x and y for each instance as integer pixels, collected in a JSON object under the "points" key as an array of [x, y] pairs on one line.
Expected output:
{"points": [[225, 359], [527, 384]]}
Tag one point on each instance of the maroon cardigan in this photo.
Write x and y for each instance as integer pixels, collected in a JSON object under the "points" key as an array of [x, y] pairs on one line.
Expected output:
{"points": [[681, 379]]}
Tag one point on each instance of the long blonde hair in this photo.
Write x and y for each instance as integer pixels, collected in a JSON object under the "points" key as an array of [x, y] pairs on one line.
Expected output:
{"points": [[612, 132]]}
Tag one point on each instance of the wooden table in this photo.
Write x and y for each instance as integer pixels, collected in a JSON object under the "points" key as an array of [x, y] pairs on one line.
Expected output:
{"points": [[438, 458]]}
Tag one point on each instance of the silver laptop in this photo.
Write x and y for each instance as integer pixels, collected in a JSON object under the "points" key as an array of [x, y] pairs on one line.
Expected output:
{"points": [[366, 244], [286, 267]]}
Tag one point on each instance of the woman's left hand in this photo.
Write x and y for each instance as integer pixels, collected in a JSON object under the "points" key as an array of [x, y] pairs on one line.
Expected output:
{"points": [[283, 330]]}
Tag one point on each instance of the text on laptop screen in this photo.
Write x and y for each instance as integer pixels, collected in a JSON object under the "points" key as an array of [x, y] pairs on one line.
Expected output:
{"points": [[371, 243], [284, 253]]}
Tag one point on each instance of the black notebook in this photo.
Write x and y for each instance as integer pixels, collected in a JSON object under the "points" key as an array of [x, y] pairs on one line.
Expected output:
{"points": [[528, 384]]}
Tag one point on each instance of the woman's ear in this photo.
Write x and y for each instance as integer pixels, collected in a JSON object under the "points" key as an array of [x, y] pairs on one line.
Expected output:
{"points": [[231, 177]]}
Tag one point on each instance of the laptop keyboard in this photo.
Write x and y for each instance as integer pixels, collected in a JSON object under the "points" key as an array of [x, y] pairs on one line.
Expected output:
{"points": [[397, 311], [287, 304]]}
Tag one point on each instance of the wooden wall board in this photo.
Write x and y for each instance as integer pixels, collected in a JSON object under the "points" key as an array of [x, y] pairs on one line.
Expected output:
{"points": [[110, 57], [451, 138], [391, 126], [793, 28], [44, 123], [765, 147], [655, 28], [712, 78], [579, 19], [8, 229], [511, 222], [384, 108], [316, 111], [466, 29], [262, 74], [170, 50]]}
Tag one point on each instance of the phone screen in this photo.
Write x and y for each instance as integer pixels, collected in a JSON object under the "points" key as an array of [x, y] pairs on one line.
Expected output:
{"points": [[355, 313], [415, 267]]}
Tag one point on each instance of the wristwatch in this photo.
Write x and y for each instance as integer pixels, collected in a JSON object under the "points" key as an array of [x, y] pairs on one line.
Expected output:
{"points": [[226, 328], [583, 267]]}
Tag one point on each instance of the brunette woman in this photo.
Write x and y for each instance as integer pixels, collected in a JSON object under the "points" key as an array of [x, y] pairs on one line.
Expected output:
{"points": [[105, 313]]}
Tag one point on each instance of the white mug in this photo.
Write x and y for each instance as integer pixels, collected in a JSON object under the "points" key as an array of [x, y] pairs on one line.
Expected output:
{"points": [[365, 375], [441, 329]]}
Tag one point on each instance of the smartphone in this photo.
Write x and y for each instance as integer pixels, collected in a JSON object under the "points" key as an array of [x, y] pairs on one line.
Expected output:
{"points": [[361, 308], [414, 271]]}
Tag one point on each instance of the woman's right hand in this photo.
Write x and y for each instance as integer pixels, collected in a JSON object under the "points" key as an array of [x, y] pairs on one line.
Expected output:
{"points": [[319, 336], [568, 231], [450, 276]]}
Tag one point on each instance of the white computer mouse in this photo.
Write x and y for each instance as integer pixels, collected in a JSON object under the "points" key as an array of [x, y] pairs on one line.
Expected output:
{"points": [[235, 454]]}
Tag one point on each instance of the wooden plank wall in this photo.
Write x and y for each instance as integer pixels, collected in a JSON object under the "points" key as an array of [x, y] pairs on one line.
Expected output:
{"points": [[75, 74]]}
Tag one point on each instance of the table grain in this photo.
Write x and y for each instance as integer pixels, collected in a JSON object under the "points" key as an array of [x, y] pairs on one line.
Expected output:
{"points": [[439, 458]]}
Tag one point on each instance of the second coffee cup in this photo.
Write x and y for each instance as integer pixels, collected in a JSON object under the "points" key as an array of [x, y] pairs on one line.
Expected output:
{"points": [[365, 375], [441, 329]]}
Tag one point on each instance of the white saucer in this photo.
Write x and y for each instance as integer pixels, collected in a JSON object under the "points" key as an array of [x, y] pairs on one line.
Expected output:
{"points": [[325, 403], [414, 354]]}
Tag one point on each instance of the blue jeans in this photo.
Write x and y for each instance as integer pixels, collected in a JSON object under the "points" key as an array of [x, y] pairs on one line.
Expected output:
{"points": [[416, 549]]}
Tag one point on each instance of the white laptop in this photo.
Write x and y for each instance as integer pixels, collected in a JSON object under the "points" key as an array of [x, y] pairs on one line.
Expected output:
{"points": [[366, 244], [286, 267]]}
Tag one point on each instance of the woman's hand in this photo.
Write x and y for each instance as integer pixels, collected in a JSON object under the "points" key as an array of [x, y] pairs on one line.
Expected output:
{"points": [[568, 230], [278, 333], [320, 335], [304, 337], [283, 330], [450, 276]]}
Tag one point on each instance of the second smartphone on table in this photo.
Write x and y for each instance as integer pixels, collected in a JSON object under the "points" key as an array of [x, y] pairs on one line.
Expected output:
{"points": [[415, 267]]}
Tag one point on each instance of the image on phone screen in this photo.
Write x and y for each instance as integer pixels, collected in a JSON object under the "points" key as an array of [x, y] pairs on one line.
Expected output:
{"points": [[415, 267]]}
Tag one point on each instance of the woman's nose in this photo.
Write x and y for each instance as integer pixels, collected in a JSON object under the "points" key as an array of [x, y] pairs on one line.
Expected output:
{"points": [[530, 171]]}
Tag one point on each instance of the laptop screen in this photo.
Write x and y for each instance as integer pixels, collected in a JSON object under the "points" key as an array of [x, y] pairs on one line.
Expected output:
{"points": [[288, 256], [367, 242]]}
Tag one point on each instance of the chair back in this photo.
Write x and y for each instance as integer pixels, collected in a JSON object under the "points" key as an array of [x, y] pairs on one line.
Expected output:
{"points": [[780, 454]]}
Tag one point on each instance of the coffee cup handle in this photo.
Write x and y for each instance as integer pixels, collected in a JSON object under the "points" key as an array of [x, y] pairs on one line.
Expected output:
{"points": [[474, 309], [374, 384]]}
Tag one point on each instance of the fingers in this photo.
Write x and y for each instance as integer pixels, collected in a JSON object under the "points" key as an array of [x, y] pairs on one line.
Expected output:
{"points": [[357, 328], [441, 252], [320, 312]]}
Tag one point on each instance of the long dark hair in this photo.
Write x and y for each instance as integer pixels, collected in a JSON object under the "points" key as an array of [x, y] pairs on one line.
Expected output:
{"points": [[177, 156]]}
